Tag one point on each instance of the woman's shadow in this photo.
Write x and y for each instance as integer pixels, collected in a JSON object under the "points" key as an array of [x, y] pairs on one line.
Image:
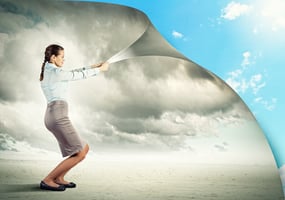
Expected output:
{"points": [[11, 188]]}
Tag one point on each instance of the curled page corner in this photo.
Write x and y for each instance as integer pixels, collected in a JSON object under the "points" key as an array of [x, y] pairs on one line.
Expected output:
{"points": [[149, 43]]}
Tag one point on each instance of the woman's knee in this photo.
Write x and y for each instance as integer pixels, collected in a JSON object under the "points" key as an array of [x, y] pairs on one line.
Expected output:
{"points": [[86, 148], [82, 154]]}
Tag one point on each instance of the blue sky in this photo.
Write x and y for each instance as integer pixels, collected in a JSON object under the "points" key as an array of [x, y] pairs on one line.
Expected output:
{"points": [[240, 41]]}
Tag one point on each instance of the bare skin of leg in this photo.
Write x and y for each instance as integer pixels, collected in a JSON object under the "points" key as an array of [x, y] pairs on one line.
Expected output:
{"points": [[58, 173]]}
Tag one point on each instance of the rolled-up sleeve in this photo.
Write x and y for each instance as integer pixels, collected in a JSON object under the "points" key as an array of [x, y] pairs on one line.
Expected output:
{"points": [[76, 74]]}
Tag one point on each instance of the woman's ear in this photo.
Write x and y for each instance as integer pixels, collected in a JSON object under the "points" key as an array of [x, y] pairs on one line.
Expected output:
{"points": [[52, 59]]}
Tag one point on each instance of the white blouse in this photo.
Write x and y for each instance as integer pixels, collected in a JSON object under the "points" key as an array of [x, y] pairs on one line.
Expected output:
{"points": [[55, 82]]}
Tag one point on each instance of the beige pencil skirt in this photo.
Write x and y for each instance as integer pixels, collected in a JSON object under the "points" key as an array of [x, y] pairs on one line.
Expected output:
{"points": [[57, 122]]}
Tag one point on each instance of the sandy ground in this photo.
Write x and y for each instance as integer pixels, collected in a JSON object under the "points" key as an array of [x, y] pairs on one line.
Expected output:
{"points": [[155, 180]]}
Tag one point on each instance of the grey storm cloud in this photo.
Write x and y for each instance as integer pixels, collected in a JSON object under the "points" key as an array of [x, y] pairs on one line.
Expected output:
{"points": [[149, 100], [221, 147]]}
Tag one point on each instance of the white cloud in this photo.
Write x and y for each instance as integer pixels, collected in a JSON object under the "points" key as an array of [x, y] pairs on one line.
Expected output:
{"points": [[10, 147], [255, 83], [235, 73], [221, 147], [234, 10], [244, 82], [246, 55], [267, 104], [241, 84], [238, 78], [176, 34]]}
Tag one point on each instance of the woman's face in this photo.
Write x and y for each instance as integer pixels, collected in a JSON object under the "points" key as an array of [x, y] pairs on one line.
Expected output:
{"points": [[59, 59]]}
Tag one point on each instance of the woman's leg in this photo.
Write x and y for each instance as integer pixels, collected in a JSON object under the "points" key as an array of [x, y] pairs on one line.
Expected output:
{"points": [[60, 178], [58, 173]]}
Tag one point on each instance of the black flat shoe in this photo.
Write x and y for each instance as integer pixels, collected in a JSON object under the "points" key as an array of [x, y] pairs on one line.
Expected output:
{"points": [[45, 186], [69, 185]]}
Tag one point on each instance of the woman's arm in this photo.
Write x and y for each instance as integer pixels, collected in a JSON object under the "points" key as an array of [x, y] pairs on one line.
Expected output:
{"points": [[82, 73]]}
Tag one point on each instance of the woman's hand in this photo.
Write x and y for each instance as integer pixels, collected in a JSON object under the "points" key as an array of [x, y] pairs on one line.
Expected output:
{"points": [[104, 66], [97, 65]]}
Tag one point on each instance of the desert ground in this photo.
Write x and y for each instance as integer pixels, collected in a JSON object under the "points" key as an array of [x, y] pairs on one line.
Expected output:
{"points": [[121, 179]]}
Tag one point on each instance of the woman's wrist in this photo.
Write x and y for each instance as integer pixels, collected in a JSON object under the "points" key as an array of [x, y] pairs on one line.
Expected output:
{"points": [[96, 65]]}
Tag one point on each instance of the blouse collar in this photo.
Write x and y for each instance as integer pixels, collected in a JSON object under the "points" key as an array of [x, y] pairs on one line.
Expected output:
{"points": [[50, 65]]}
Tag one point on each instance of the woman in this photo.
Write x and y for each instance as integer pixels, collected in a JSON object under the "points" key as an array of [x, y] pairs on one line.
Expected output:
{"points": [[54, 83]]}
